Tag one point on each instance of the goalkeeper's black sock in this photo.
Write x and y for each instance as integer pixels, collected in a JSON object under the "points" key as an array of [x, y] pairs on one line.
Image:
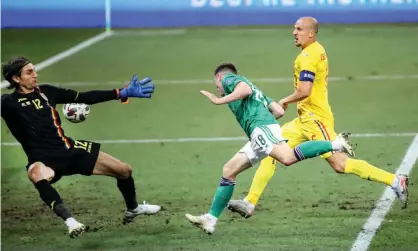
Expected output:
{"points": [[51, 198], [127, 188], [62, 211]]}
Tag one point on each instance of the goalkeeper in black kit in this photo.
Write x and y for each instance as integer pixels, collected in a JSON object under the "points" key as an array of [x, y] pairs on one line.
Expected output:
{"points": [[30, 114]]}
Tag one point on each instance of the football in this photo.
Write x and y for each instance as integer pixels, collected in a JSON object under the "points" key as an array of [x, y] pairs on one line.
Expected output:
{"points": [[76, 113]]}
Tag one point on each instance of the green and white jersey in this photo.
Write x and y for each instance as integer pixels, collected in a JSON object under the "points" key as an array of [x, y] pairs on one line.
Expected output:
{"points": [[251, 112]]}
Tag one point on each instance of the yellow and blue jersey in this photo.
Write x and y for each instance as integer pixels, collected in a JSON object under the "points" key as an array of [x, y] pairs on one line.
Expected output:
{"points": [[312, 65]]}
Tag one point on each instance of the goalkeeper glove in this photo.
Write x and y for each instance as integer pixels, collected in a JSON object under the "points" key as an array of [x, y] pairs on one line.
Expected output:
{"points": [[137, 89]]}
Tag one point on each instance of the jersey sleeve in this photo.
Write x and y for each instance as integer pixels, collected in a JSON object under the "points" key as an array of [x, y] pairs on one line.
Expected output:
{"points": [[5, 105], [230, 81], [269, 100], [63, 96], [308, 68], [58, 94]]}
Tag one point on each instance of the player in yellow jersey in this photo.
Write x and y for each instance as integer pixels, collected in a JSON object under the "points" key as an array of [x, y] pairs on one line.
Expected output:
{"points": [[315, 121]]}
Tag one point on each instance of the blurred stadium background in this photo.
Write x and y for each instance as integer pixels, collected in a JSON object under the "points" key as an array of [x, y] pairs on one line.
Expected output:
{"points": [[178, 142]]}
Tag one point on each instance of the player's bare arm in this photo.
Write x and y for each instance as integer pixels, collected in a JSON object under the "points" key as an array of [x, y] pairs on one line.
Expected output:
{"points": [[303, 91], [276, 109], [241, 91]]}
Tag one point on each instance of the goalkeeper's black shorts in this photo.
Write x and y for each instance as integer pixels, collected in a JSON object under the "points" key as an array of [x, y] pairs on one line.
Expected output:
{"points": [[79, 159]]}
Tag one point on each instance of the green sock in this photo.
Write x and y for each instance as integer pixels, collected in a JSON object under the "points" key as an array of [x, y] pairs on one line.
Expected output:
{"points": [[312, 149], [222, 196]]}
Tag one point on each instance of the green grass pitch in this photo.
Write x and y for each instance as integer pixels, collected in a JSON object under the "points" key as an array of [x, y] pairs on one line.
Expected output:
{"points": [[305, 207]]}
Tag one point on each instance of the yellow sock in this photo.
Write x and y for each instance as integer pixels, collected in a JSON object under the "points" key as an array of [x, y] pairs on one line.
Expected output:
{"points": [[261, 178], [366, 171]]}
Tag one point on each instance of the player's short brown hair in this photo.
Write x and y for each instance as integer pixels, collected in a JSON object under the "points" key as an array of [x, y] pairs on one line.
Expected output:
{"points": [[14, 68], [226, 66]]}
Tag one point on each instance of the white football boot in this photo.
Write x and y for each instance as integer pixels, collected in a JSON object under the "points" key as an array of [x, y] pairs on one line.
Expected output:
{"points": [[242, 207], [144, 208], [400, 187], [342, 144], [206, 222], [75, 228]]}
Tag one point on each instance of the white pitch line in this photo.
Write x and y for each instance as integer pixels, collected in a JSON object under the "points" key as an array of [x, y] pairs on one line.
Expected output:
{"points": [[215, 139], [276, 80], [148, 33], [384, 204], [73, 50]]}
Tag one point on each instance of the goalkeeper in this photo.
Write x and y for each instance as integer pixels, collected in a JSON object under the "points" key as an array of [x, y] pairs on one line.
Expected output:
{"points": [[30, 114]]}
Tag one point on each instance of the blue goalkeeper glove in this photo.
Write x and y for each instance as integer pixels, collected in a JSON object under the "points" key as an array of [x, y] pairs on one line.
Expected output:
{"points": [[137, 89]]}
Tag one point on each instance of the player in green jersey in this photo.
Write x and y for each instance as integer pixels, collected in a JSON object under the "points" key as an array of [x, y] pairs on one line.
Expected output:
{"points": [[257, 116]]}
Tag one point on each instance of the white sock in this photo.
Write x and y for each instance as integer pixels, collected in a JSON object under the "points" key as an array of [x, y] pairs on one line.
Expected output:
{"points": [[212, 218], [71, 222], [395, 181], [249, 204], [336, 145]]}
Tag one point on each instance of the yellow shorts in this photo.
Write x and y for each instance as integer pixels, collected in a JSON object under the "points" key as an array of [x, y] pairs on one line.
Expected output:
{"points": [[297, 132]]}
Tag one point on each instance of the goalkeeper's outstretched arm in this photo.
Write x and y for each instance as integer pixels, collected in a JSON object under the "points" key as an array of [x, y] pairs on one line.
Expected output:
{"points": [[136, 88], [63, 96]]}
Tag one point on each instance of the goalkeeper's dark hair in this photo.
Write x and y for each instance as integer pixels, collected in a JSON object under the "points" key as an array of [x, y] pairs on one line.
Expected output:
{"points": [[226, 66], [14, 68]]}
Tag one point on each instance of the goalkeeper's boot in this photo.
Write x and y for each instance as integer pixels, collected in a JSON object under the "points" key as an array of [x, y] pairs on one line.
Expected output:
{"points": [[342, 144], [242, 207], [145, 209], [206, 222], [75, 228], [401, 189]]}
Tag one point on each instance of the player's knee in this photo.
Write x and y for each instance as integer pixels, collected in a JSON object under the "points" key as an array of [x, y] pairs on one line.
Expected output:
{"points": [[284, 154], [34, 172], [38, 171], [287, 160], [125, 171], [337, 161], [338, 166], [339, 169]]}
